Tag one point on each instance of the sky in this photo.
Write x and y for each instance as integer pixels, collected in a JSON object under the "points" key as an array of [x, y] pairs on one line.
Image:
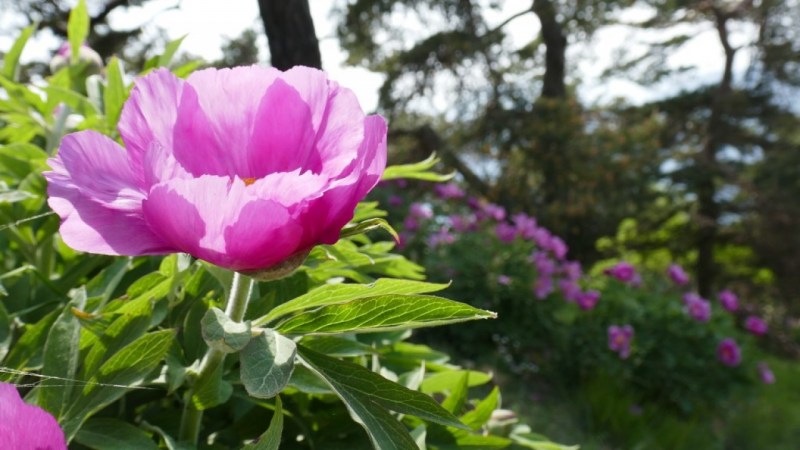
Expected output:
{"points": [[207, 23]]}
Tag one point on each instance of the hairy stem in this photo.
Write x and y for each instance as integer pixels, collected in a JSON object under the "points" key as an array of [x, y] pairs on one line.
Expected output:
{"points": [[241, 286]]}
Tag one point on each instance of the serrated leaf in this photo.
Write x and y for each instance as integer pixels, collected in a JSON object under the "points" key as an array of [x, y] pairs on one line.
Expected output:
{"points": [[115, 93], [331, 294], [271, 439], [267, 363], [77, 28], [353, 378], [113, 434], [223, 334], [11, 59], [382, 313]]}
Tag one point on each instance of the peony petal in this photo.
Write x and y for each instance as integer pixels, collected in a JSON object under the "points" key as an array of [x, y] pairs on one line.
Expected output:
{"points": [[283, 138], [263, 235], [150, 114], [226, 102], [94, 191], [222, 222], [341, 132], [24, 426], [198, 145]]}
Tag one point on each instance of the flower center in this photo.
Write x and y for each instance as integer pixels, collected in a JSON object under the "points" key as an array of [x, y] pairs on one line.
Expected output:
{"points": [[248, 181]]}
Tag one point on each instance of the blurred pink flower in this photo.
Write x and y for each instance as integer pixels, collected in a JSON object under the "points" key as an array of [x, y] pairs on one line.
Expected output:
{"points": [[622, 271], [572, 270], [729, 353], [494, 212], [619, 339], [462, 224], [559, 248], [728, 300], [544, 265], [765, 373], [505, 280], [24, 426], [420, 211], [246, 168], [756, 325], [543, 287], [588, 300], [441, 236], [448, 191], [677, 274], [697, 307], [411, 224], [505, 232], [525, 225], [569, 289], [395, 200]]}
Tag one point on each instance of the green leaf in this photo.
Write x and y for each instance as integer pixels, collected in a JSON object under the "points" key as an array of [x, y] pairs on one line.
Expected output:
{"points": [[27, 351], [271, 439], [382, 313], [127, 368], [212, 390], [115, 93], [165, 58], [384, 431], [539, 442], [113, 434], [478, 416], [77, 28], [223, 334], [61, 357], [11, 59], [345, 376], [368, 225], [337, 346], [5, 331], [331, 294], [445, 381], [267, 363], [419, 171], [21, 159], [458, 395]]}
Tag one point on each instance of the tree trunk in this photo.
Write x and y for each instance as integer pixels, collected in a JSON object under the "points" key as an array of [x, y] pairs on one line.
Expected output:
{"points": [[556, 47], [290, 32]]}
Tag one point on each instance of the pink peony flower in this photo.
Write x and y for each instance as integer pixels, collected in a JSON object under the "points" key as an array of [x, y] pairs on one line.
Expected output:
{"points": [[728, 300], [559, 248], [623, 271], [677, 274], [619, 339], [765, 374], [24, 426], [246, 168], [729, 353], [756, 325], [588, 300], [697, 307]]}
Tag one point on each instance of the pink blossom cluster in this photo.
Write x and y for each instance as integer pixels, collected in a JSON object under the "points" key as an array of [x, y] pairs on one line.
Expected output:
{"points": [[619, 339]]}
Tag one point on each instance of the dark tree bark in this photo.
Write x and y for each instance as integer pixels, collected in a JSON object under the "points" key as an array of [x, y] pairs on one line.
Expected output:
{"points": [[290, 32], [556, 47]]}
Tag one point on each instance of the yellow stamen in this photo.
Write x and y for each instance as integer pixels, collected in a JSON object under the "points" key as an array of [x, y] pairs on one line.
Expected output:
{"points": [[248, 181]]}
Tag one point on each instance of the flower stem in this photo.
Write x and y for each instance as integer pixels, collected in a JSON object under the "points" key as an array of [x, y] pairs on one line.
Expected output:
{"points": [[241, 286]]}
